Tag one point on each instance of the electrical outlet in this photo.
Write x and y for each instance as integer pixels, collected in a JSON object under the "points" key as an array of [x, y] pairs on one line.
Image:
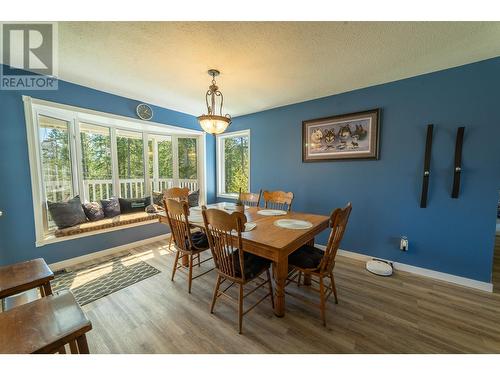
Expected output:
{"points": [[403, 244]]}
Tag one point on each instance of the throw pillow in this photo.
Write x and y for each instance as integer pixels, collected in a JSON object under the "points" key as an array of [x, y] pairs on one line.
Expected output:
{"points": [[93, 211], [158, 198], [134, 204], [111, 207], [194, 198], [67, 214]]}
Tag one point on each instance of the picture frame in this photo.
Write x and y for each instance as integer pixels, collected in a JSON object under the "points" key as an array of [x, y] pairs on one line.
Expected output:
{"points": [[352, 136]]}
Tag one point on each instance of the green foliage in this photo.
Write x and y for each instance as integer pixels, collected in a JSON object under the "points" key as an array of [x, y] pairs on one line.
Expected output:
{"points": [[187, 158], [130, 157], [165, 159], [236, 160]]}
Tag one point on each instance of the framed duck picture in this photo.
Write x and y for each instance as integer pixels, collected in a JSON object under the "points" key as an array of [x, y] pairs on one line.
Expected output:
{"points": [[342, 137]]}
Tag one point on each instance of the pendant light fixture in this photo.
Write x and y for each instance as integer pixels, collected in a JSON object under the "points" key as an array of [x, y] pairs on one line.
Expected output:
{"points": [[213, 122]]}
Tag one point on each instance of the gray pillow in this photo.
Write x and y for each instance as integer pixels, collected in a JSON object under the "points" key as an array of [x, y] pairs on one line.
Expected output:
{"points": [[158, 198], [67, 214], [93, 211], [111, 207], [194, 199]]}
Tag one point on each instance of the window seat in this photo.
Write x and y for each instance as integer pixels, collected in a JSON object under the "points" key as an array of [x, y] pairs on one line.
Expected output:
{"points": [[90, 226]]}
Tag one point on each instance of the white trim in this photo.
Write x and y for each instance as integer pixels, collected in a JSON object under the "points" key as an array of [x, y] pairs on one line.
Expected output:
{"points": [[47, 240], [220, 161], [463, 281], [85, 258], [96, 117]]}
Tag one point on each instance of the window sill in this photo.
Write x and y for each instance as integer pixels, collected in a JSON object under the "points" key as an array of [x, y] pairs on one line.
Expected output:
{"points": [[50, 238], [228, 196]]}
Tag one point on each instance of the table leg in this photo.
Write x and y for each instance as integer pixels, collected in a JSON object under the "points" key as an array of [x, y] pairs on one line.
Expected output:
{"points": [[47, 290], [83, 347], [280, 275]]}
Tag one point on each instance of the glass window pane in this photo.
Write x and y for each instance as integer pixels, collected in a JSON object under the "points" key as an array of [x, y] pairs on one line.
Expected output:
{"points": [[96, 162], [130, 150], [165, 163], [188, 161], [236, 164], [56, 161]]}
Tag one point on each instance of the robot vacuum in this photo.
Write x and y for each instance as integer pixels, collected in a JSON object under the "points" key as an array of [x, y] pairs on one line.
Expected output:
{"points": [[379, 267]]}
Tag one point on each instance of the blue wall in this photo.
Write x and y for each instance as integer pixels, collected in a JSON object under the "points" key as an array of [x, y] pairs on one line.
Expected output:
{"points": [[17, 228], [452, 235]]}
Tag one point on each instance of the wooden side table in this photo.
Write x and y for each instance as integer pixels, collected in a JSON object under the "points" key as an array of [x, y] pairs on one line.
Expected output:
{"points": [[20, 277], [45, 326]]}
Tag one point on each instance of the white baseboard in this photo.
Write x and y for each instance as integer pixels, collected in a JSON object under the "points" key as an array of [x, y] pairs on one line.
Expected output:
{"points": [[471, 283], [85, 258]]}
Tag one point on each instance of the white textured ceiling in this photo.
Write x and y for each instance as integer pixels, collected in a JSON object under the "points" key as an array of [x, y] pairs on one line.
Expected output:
{"points": [[263, 64]]}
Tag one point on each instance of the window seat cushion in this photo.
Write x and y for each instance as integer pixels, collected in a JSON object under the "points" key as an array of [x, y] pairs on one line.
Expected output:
{"points": [[110, 222]]}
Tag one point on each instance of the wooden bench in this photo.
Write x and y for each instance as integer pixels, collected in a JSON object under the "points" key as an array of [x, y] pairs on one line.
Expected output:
{"points": [[20, 277], [111, 222], [45, 326]]}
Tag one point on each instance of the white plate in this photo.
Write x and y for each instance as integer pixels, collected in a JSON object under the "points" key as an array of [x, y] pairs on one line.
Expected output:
{"points": [[293, 224], [271, 212], [249, 226], [196, 218]]}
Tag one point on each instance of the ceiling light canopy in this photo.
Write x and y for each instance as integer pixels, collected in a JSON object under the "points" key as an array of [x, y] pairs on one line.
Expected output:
{"points": [[212, 122]]}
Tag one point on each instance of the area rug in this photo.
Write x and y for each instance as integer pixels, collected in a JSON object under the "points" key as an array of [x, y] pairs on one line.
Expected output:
{"points": [[101, 279]]}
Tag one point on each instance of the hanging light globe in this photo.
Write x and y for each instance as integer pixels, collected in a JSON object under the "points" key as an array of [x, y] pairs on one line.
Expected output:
{"points": [[212, 122]]}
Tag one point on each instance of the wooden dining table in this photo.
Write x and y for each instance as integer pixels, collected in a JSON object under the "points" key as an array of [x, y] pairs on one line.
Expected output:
{"points": [[269, 240]]}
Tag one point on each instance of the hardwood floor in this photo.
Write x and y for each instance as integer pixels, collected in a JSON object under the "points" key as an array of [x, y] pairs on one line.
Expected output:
{"points": [[401, 314]]}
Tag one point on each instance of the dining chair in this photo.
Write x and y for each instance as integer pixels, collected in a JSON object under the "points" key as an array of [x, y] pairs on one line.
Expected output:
{"points": [[186, 243], [313, 262], [250, 199], [179, 194], [278, 200], [232, 263]]}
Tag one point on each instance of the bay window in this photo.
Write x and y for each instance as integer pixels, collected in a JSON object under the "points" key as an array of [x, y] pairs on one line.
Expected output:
{"points": [[95, 155]]}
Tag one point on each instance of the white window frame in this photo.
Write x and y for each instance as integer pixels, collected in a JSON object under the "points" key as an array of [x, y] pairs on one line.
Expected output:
{"points": [[76, 115], [221, 175]]}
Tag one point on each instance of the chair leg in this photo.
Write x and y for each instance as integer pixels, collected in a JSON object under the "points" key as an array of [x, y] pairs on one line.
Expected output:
{"points": [[216, 291], [83, 347], [170, 241], [298, 280], [240, 309], [190, 272], [73, 347], [322, 302], [199, 259], [332, 280], [270, 286], [175, 264]]}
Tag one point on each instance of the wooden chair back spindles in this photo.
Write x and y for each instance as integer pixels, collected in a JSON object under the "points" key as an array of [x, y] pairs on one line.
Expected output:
{"points": [[218, 226], [224, 238], [177, 213], [311, 261], [177, 193], [250, 199], [338, 223], [278, 200]]}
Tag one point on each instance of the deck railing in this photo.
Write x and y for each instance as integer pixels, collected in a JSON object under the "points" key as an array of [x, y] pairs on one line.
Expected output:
{"points": [[95, 190]]}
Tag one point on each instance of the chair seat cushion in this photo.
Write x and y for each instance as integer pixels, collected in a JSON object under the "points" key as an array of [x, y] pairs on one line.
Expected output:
{"points": [[254, 264], [306, 257], [109, 222], [199, 239]]}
